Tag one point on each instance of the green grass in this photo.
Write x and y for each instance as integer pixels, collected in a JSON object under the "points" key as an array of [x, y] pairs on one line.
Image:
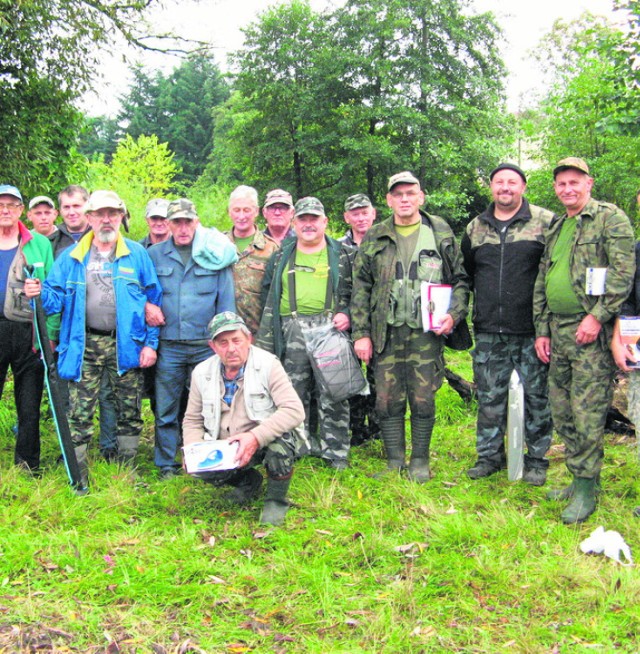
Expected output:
{"points": [[361, 565]]}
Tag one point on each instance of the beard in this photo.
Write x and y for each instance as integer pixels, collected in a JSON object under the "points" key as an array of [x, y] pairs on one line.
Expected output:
{"points": [[107, 236]]}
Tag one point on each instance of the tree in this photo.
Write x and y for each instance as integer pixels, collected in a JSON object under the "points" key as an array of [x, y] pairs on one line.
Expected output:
{"points": [[333, 103]]}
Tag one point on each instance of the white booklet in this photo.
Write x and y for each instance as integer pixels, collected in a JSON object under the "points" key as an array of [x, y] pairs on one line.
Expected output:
{"points": [[435, 300], [209, 456], [630, 337]]}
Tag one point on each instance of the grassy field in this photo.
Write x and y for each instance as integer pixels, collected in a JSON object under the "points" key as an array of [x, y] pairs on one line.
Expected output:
{"points": [[361, 565]]}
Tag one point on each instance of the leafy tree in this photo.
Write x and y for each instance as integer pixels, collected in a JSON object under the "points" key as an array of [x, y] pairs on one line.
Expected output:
{"points": [[333, 103], [585, 92], [99, 136]]}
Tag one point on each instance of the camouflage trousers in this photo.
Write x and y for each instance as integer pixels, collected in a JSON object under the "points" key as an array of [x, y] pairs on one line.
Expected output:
{"points": [[580, 392], [495, 357], [633, 404], [332, 440], [278, 458], [409, 368], [363, 421], [99, 359]]}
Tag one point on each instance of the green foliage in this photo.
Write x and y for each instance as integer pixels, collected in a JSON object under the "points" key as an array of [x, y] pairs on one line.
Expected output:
{"points": [[329, 104], [586, 92], [141, 169]]}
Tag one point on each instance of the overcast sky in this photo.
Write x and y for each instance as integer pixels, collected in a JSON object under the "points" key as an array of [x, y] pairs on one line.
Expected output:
{"points": [[524, 22]]}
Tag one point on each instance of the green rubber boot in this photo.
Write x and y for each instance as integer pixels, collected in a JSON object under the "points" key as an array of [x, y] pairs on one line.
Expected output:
{"points": [[421, 430], [566, 493], [246, 487], [276, 504], [392, 432], [583, 503]]}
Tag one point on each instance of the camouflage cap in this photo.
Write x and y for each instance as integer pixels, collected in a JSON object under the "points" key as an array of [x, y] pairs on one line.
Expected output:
{"points": [[356, 201], [508, 166], [7, 189], [181, 208], [278, 196], [41, 199], [227, 321], [404, 177], [309, 205], [104, 200], [571, 163], [157, 207]]}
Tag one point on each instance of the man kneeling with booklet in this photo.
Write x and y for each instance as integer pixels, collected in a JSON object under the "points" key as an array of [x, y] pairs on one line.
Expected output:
{"points": [[242, 411]]}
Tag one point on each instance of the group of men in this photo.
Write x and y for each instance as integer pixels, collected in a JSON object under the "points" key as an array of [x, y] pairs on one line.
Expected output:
{"points": [[161, 306]]}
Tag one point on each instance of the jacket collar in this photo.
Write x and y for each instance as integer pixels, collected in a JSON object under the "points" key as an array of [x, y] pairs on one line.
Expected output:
{"points": [[24, 234], [81, 250]]}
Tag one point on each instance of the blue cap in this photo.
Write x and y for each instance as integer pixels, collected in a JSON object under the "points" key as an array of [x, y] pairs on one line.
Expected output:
{"points": [[7, 189]]}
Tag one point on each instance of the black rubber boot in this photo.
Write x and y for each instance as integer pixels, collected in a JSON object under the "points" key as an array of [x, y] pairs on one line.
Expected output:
{"points": [[583, 503], [247, 484], [83, 465], [392, 432], [276, 504], [421, 430]]}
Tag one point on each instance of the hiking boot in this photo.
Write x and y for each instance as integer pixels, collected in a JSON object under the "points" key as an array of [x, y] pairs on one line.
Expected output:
{"points": [[484, 468], [169, 473], [535, 476], [247, 485], [583, 503]]}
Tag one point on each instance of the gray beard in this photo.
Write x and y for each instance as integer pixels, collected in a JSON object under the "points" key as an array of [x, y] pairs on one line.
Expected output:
{"points": [[107, 236]]}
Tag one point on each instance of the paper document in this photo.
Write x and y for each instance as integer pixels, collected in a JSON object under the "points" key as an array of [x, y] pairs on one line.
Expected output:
{"points": [[435, 300]]}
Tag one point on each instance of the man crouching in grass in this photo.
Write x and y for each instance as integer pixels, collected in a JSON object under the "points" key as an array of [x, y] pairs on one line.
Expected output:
{"points": [[243, 395]]}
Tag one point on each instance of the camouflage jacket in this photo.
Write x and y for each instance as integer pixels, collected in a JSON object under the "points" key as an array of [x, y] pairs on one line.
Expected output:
{"points": [[340, 264], [248, 273], [603, 239], [373, 276], [502, 268]]}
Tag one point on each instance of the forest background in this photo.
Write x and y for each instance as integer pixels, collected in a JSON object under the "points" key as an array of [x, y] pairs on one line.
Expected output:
{"points": [[326, 103]]}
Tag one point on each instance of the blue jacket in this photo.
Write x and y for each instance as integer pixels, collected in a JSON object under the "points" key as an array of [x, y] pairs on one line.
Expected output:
{"points": [[192, 295], [134, 282]]}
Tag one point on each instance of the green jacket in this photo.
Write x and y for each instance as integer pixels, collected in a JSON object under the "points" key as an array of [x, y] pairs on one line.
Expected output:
{"points": [[374, 271], [340, 263], [603, 239]]}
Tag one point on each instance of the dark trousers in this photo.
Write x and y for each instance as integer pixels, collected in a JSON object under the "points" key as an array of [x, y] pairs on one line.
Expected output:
{"points": [[16, 350]]}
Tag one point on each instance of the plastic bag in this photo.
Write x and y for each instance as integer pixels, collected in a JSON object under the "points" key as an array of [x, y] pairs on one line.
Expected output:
{"points": [[336, 368]]}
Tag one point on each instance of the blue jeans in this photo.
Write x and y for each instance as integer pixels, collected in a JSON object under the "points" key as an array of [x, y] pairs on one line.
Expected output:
{"points": [[176, 361]]}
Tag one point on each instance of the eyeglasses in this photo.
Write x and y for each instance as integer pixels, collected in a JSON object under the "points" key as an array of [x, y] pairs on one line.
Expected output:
{"points": [[406, 194], [278, 208], [105, 214], [9, 205]]}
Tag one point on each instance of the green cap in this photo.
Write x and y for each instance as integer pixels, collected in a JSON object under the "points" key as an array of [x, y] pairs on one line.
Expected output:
{"points": [[404, 177], [571, 163], [356, 201], [181, 208], [309, 205], [227, 321]]}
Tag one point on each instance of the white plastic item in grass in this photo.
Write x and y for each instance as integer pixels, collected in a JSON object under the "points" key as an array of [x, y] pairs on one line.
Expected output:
{"points": [[515, 428], [610, 543]]}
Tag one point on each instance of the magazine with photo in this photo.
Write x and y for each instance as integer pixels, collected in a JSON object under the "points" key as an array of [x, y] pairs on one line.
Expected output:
{"points": [[630, 337]]}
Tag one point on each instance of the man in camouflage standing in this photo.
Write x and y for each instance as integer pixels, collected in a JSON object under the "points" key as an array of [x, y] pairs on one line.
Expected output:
{"points": [[359, 214], [585, 275], [396, 256], [254, 251], [502, 249], [309, 282], [278, 214]]}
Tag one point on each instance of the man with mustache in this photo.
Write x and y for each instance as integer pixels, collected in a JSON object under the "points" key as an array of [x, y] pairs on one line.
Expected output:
{"points": [[502, 249], [101, 287], [309, 282]]}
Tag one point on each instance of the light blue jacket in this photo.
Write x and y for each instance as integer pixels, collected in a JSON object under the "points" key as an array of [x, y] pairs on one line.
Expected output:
{"points": [[134, 281], [191, 294]]}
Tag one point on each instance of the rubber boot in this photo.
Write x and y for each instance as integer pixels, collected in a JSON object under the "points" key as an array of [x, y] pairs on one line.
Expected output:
{"points": [[421, 430], [583, 503], [127, 448], [247, 484], [566, 493], [83, 465], [276, 504], [392, 432]]}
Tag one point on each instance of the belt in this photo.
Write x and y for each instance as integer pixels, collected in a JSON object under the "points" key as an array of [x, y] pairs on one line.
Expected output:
{"points": [[101, 332]]}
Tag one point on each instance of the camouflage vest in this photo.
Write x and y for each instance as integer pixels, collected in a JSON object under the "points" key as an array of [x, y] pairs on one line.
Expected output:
{"points": [[425, 265]]}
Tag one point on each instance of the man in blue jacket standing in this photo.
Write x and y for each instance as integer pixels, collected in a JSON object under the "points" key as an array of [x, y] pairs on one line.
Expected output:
{"points": [[101, 286], [194, 269]]}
